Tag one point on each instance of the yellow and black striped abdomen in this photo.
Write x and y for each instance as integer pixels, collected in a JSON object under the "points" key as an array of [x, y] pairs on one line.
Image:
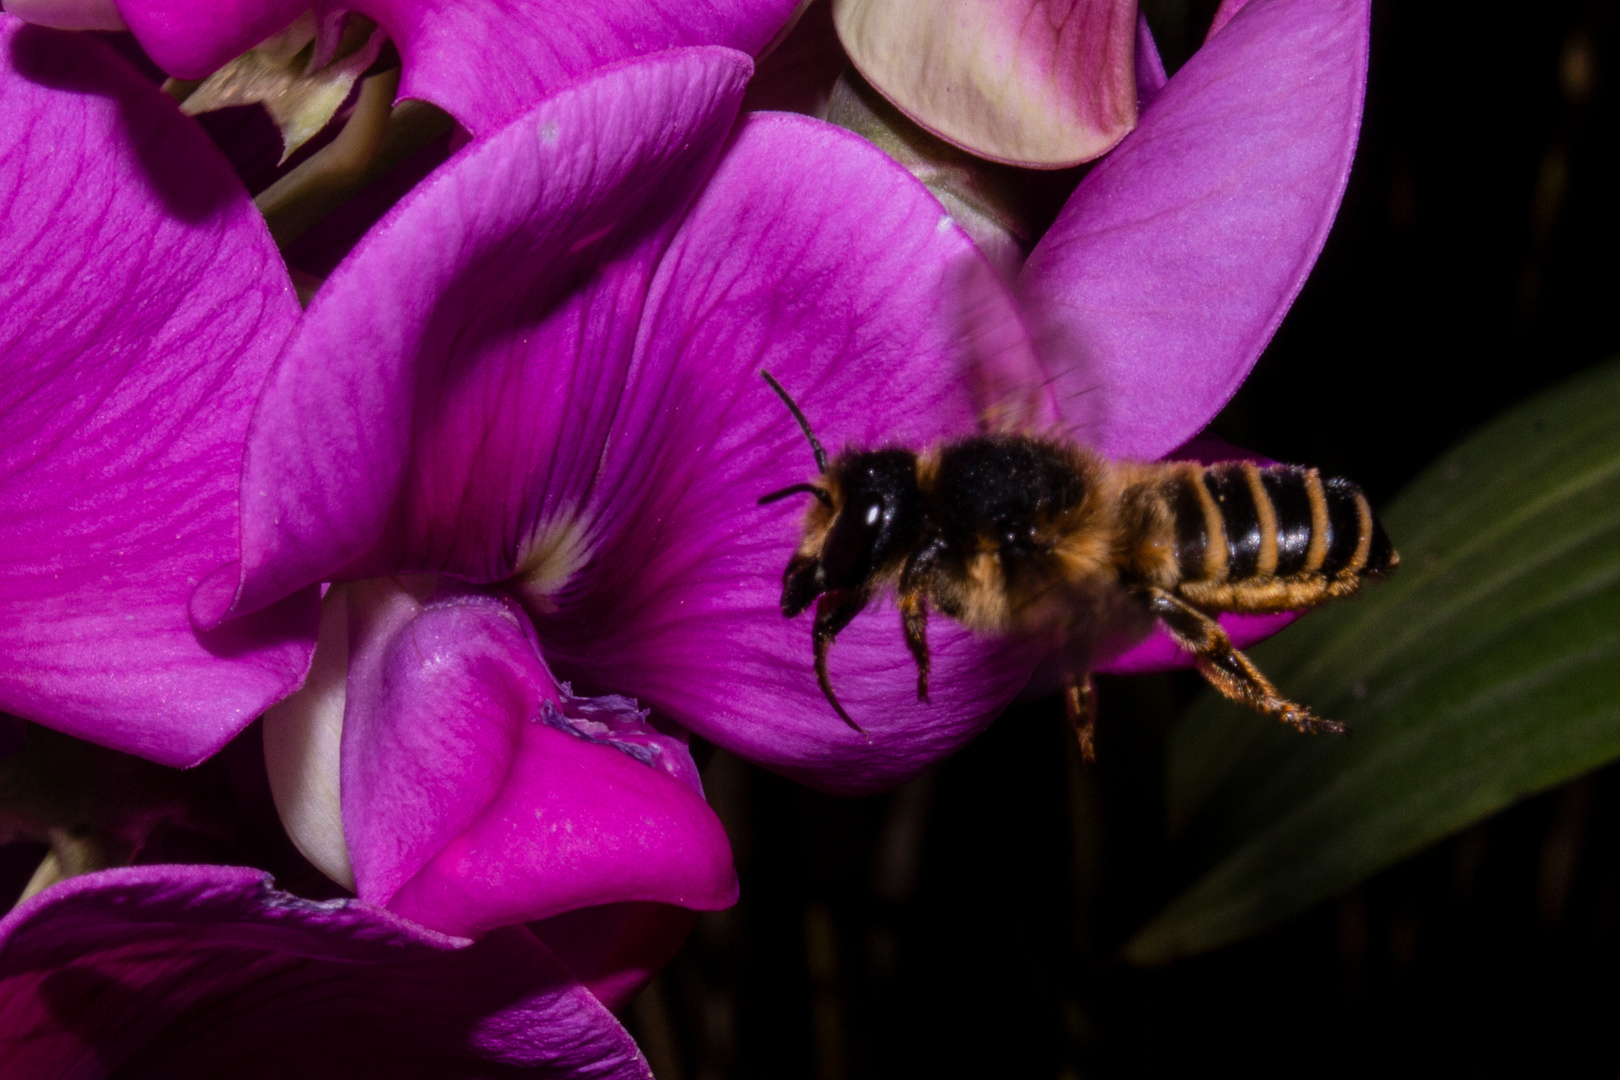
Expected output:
{"points": [[1253, 538]]}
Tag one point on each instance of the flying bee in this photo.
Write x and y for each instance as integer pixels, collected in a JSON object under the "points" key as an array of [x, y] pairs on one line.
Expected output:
{"points": [[1018, 534]]}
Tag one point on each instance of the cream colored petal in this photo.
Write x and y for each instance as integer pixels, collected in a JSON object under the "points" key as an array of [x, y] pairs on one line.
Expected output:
{"points": [[303, 739], [1039, 83]]}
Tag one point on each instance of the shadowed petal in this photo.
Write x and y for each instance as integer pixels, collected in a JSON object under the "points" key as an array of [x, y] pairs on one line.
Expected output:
{"points": [[209, 971], [477, 792], [1176, 258], [1042, 83], [141, 303], [616, 949]]}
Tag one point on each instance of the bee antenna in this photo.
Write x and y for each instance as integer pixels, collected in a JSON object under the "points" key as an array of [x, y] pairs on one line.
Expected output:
{"points": [[798, 414]]}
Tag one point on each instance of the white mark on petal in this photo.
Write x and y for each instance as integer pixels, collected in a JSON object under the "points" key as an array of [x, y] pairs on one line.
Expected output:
{"points": [[554, 552]]}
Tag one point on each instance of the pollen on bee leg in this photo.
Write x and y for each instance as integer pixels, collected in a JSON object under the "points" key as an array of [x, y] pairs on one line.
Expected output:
{"points": [[554, 551]]}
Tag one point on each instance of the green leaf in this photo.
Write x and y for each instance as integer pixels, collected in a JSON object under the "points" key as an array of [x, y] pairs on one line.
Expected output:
{"points": [[1487, 668]]}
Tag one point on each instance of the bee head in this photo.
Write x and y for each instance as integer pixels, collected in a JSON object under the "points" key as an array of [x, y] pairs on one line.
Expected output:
{"points": [[862, 533]]}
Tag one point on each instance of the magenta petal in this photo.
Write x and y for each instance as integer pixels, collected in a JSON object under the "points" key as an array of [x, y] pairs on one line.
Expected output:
{"points": [[1150, 76], [616, 949], [190, 38], [141, 303], [429, 420], [486, 61], [477, 792], [209, 971], [810, 254], [1176, 258]]}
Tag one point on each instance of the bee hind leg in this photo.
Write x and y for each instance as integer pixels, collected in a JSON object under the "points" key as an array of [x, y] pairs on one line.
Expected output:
{"points": [[1080, 703], [1227, 669], [914, 616]]}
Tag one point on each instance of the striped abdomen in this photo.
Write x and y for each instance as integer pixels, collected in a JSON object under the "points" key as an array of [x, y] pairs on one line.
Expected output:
{"points": [[1252, 538]]}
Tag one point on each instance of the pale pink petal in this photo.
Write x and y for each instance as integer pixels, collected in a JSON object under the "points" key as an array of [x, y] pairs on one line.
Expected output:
{"points": [[1042, 83]]}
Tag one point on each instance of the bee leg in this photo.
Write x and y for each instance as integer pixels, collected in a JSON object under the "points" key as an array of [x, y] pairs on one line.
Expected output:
{"points": [[914, 579], [914, 616], [1080, 703], [1227, 669], [833, 612]]}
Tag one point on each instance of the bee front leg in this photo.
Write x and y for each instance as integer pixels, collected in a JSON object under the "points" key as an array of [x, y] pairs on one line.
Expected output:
{"points": [[834, 611], [1080, 703], [1227, 669]]}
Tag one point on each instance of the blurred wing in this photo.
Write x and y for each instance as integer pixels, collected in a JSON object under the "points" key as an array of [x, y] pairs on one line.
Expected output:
{"points": [[1011, 387]]}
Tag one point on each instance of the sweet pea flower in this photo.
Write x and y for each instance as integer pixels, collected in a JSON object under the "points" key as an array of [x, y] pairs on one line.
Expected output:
{"points": [[140, 326], [482, 61], [209, 970], [141, 304]]}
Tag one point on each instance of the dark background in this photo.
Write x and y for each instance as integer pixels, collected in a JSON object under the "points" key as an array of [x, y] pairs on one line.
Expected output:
{"points": [[968, 924]]}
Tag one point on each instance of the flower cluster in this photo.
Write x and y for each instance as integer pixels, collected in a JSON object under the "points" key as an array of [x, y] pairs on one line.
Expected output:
{"points": [[476, 531]]}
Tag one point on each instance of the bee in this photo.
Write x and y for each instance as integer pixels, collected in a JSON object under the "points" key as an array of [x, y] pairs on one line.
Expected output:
{"points": [[1018, 534]]}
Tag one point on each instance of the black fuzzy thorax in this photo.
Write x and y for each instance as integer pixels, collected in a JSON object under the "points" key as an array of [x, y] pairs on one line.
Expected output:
{"points": [[1005, 489]]}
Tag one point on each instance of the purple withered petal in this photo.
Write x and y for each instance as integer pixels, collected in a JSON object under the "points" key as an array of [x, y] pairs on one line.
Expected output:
{"points": [[482, 61], [1032, 82], [521, 410], [209, 971], [477, 792], [1176, 258], [141, 304]]}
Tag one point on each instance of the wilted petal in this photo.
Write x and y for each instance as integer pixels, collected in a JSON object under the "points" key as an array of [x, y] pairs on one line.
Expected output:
{"points": [[141, 303], [209, 971], [1176, 258], [477, 792], [482, 61], [1043, 83]]}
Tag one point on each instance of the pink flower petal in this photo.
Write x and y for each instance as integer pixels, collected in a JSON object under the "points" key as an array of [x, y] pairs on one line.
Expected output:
{"points": [[141, 303], [209, 971], [534, 407], [1043, 83], [1150, 76], [422, 382], [616, 949], [1176, 258], [477, 793]]}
